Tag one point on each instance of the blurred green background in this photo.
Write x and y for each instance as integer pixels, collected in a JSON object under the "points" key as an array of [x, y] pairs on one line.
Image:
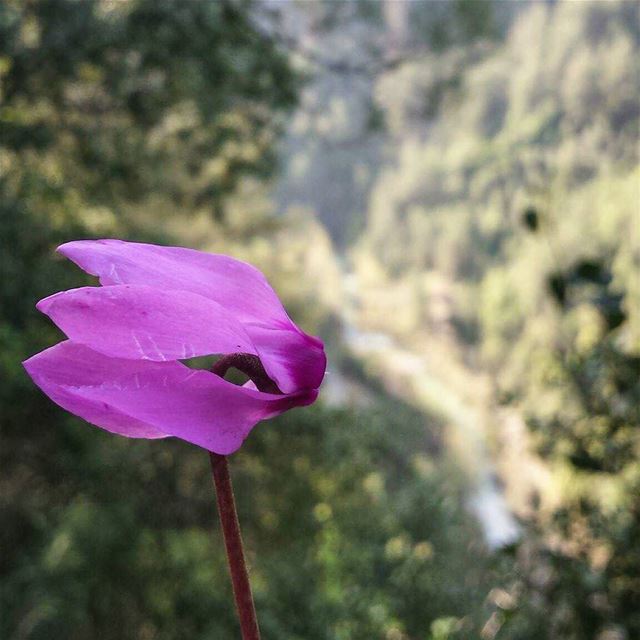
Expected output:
{"points": [[448, 192]]}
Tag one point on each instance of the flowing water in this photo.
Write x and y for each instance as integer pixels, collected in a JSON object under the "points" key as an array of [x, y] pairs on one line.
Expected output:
{"points": [[430, 392]]}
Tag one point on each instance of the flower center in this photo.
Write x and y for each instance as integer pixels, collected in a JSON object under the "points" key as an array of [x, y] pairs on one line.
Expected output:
{"points": [[251, 366]]}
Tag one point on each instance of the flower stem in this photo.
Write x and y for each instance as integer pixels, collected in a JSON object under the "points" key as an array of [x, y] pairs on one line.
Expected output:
{"points": [[233, 544]]}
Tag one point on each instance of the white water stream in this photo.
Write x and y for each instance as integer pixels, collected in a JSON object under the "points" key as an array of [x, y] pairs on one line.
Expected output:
{"points": [[486, 499]]}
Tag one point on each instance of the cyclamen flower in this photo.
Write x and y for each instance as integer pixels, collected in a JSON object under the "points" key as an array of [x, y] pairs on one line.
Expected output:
{"points": [[120, 368]]}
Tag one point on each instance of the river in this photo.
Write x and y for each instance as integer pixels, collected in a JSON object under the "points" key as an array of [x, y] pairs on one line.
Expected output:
{"points": [[420, 384]]}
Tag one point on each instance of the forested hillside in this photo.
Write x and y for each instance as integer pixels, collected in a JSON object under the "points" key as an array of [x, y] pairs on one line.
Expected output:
{"points": [[490, 160], [512, 188]]}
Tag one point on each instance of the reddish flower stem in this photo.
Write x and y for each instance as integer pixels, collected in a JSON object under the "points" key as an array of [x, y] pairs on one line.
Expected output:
{"points": [[233, 544], [251, 366]]}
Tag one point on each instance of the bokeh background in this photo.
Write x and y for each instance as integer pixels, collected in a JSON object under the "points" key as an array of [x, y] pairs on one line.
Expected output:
{"points": [[448, 193]]}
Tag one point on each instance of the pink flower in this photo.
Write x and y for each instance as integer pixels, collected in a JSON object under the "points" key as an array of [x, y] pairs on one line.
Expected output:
{"points": [[120, 368]]}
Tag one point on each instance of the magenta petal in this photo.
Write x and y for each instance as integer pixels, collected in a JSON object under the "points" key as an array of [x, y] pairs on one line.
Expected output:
{"points": [[64, 369], [237, 286], [196, 406], [134, 321], [292, 359]]}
